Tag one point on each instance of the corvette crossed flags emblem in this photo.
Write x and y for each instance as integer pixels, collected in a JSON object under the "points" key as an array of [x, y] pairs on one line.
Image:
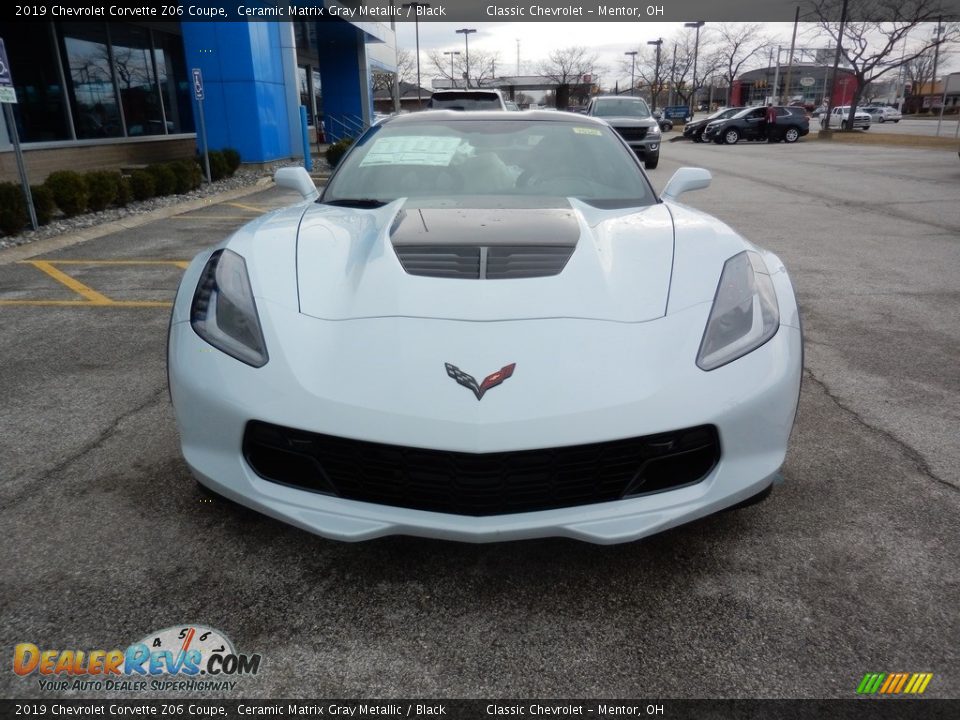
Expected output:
{"points": [[468, 381]]}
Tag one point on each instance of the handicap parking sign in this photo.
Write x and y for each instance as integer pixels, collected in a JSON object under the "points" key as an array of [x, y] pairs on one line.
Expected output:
{"points": [[197, 84], [7, 93]]}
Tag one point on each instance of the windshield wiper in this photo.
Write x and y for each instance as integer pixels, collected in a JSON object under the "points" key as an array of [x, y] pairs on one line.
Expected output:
{"points": [[356, 202]]}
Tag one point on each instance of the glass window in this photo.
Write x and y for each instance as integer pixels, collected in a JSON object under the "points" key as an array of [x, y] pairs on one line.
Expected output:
{"points": [[41, 109], [139, 93], [620, 107], [456, 163], [172, 77], [318, 96], [96, 113]]}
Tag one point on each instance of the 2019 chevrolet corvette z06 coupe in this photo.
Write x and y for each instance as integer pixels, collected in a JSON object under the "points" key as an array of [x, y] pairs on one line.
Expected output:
{"points": [[487, 327]]}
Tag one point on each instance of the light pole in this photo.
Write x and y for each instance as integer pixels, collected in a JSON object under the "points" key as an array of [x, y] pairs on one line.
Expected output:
{"points": [[466, 42], [633, 64], [696, 51], [415, 6], [451, 53], [656, 73]]}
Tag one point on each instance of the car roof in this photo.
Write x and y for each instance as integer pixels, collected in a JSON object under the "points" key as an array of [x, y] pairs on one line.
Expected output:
{"points": [[618, 97], [432, 116], [461, 91]]}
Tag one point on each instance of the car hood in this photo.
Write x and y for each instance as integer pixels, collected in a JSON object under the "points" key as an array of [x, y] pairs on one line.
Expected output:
{"points": [[353, 263]]}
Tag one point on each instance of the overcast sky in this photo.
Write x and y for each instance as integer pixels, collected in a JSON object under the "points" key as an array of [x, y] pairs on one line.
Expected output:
{"points": [[610, 40]]}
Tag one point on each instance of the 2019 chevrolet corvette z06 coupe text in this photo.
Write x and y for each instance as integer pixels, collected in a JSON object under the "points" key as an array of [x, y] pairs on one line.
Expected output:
{"points": [[487, 327]]}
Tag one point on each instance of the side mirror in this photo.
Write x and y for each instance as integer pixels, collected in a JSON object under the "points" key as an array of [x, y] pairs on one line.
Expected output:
{"points": [[296, 178], [684, 180]]}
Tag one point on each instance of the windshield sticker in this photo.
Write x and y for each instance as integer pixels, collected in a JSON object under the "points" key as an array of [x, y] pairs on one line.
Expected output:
{"points": [[412, 150], [587, 131]]}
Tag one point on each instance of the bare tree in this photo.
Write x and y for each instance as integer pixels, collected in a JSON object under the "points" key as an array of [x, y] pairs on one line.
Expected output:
{"points": [[650, 78], [737, 45], [870, 46], [406, 73], [483, 65], [566, 67]]}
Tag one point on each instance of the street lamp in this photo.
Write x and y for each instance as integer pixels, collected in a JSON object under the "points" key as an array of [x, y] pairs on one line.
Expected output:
{"points": [[696, 50], [466, 41], [416, 25], [451, 53], [633, 63], [656, 73]]}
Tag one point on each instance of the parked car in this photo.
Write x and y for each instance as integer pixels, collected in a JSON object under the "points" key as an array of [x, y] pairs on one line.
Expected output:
{"points": [[472, 336], [632, 119], [882, 113], [749, 124], [839, 118], [665, 124], [694, 130], [467, 99]]}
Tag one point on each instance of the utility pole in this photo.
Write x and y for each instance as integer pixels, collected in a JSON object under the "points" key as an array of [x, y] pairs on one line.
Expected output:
{"points": [[633, 63], [518, 57], [793, 44], [696, 51], [415, 6], [836, 64], [656, 73], [451, 53], [466, 40], [673, 75]]}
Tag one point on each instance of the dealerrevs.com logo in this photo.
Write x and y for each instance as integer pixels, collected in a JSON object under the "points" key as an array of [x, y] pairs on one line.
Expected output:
{"points": [[180, 658]]}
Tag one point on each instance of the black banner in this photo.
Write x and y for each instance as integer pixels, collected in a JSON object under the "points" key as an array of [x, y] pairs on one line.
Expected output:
{"points": [[858, 709], [643, 11]]}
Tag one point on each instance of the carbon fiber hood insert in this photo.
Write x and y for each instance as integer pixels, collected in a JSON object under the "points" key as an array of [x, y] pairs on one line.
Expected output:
{"points": [[485, 244]]}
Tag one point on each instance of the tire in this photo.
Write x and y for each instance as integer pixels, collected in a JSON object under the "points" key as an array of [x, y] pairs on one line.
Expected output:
{"points": [[791, 135], [731, 136], [844, 125], [698, 137], [651, 163], [881, 120], [866, 127], [896, 121]]}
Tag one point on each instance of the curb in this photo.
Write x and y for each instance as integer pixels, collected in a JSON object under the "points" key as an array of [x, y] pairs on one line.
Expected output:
{"points": [[888, 139], [58, 242]]}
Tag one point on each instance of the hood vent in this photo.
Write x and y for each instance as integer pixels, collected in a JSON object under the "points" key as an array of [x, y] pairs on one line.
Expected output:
{"points": [[499, 262]]}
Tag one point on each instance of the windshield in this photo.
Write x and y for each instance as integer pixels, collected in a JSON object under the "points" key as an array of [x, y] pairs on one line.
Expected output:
{"points": [[620, 107], [465, 101], [458, 163]]}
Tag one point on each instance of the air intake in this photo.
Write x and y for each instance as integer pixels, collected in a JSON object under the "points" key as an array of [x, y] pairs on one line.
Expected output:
{"points": [[500, 262]]}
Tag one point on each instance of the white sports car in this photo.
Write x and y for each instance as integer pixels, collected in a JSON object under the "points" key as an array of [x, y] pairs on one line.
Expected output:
{"points": [[487, 327]]}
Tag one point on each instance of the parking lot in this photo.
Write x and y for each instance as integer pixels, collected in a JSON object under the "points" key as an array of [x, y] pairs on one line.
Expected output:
{"points": [[851, 566]]}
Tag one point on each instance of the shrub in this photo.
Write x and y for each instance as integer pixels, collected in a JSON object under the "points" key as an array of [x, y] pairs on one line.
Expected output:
{"points": [[43, 203], [187, 174], [142, 185], [165, 182], [233, 159], [69, 191], [13, 208], [101, 188], [124, 191], [337, 150], [218, 166]]}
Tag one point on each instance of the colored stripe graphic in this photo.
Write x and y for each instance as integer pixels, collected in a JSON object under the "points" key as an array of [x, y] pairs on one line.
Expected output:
{"points": [[894, 683]]}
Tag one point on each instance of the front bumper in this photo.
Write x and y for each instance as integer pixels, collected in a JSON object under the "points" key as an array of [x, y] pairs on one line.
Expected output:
{"points": [[575, 382]]}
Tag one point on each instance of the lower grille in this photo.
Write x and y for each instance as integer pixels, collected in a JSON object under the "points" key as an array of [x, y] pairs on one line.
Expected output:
{"points": [[632, 133], [480, 484]]}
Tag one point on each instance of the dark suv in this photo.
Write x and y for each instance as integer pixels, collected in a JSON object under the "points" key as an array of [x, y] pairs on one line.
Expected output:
{"points": [[749, 124], [632, 119]]}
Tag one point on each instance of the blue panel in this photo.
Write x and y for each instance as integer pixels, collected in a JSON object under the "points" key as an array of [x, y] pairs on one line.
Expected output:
{"points": [[245, 100], [340, 72]]}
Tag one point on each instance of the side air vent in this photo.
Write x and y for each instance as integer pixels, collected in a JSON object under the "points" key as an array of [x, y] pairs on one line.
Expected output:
{"points": [[499, 262]]}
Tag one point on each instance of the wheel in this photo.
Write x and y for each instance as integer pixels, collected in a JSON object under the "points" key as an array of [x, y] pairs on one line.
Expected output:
{"points": [[866, 127], [791, 135], [881, 119], [698, 137], [844, 125], [731, 136], [651, 163], [896, 121]]}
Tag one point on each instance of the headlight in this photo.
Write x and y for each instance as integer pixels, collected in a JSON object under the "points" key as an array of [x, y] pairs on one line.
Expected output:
{"points": [[224, 312], [655, 130], [744, 314]]}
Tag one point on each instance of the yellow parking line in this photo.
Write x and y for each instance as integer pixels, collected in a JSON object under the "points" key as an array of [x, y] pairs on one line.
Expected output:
{"points": [[78, 287], [246, 207], [87, 303], [178, 263]]}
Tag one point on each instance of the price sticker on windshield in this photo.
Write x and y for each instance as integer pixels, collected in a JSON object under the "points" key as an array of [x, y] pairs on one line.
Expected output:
{"points": [[412, 150], [587, 131]]}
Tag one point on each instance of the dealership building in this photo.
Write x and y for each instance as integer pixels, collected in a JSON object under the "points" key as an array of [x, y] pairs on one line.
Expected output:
{"points": [[111, 94]]}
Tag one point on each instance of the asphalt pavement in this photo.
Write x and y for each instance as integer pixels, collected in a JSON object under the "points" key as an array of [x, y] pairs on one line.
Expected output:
{"points": [[849, 567]]}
